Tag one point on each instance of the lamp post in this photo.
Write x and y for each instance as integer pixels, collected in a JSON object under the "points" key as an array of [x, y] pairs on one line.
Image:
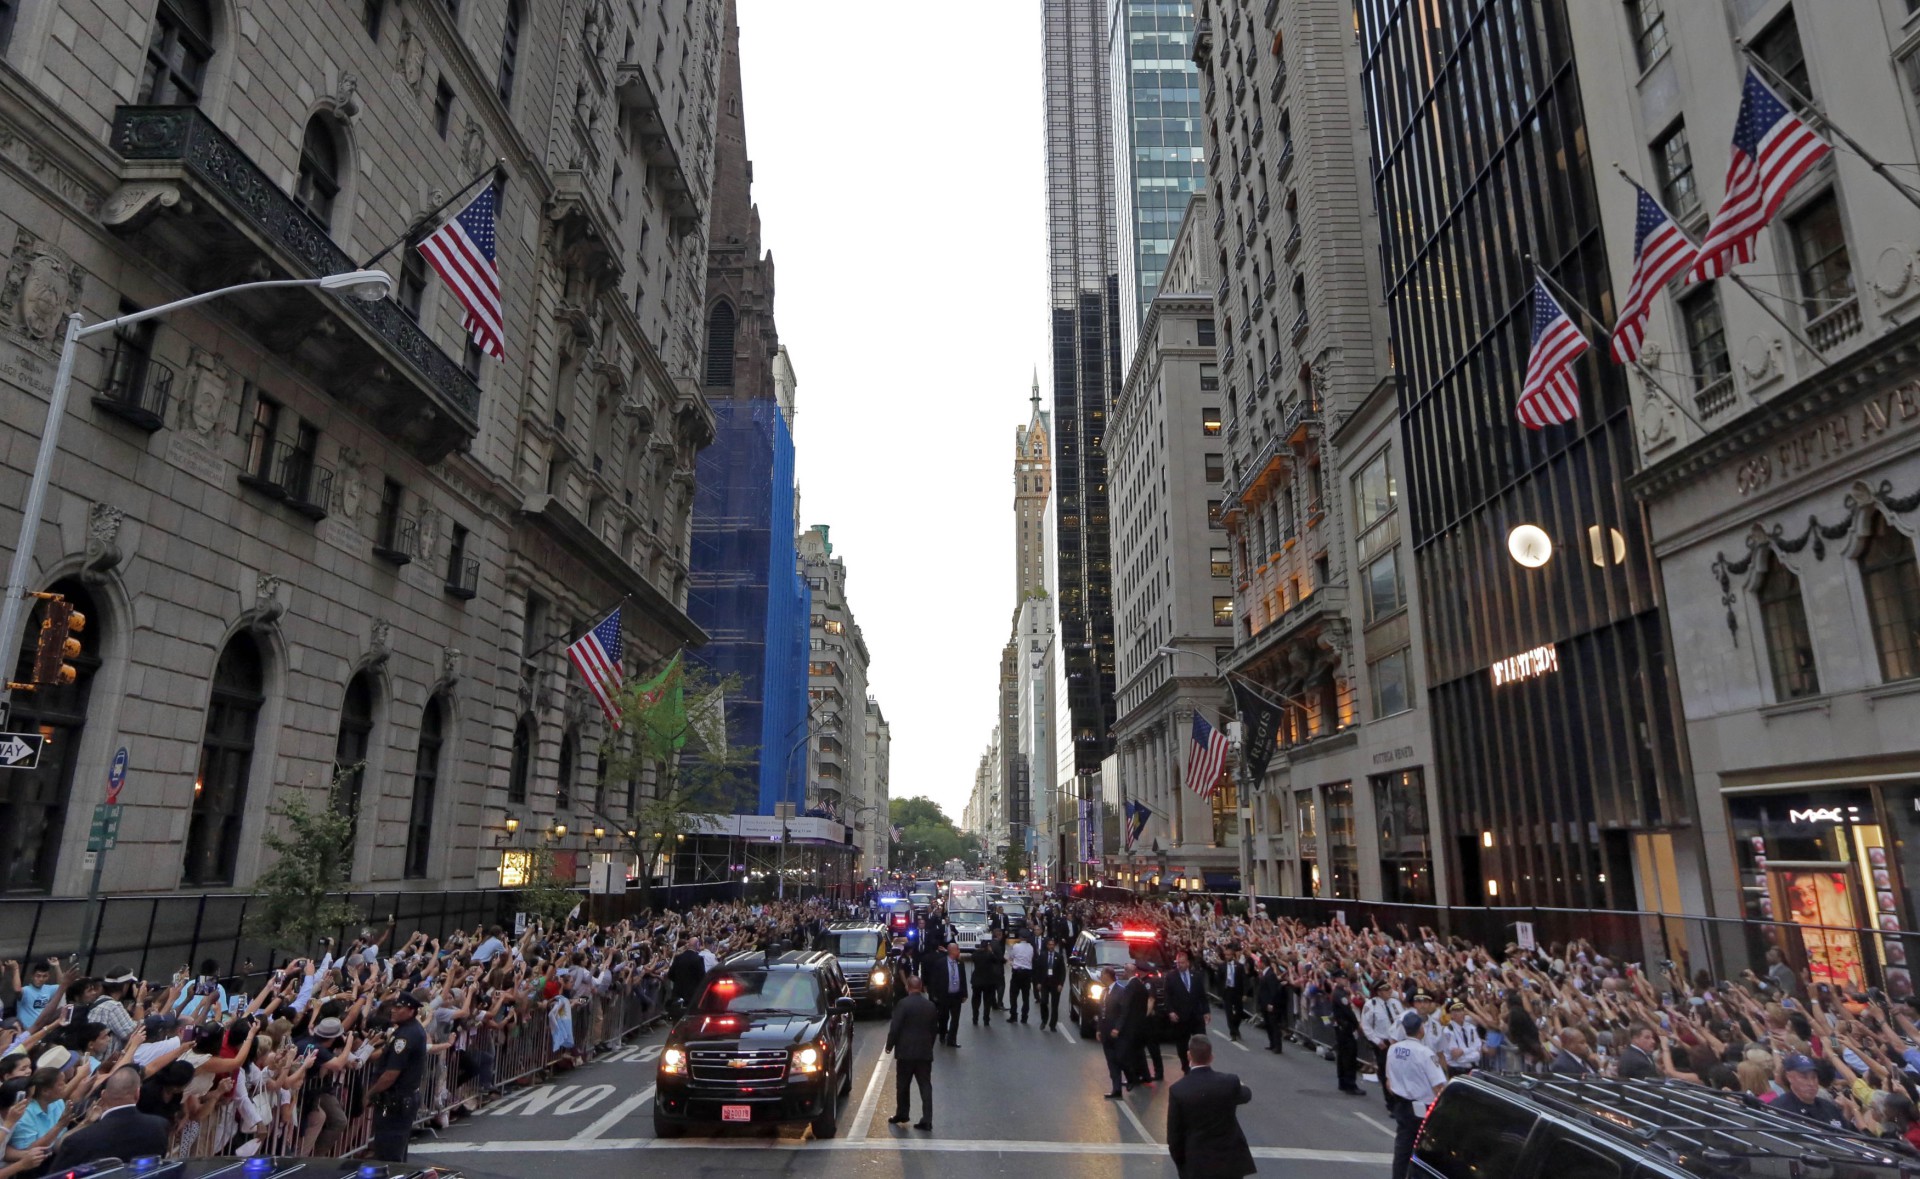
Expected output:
{"points": [[369, 285]]}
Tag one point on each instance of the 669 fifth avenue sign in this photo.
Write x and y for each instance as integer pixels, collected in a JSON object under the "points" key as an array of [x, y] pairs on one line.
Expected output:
{"points": [[20, 751]]}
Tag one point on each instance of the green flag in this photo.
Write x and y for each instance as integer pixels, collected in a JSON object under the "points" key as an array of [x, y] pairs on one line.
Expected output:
{"points": [[661, 703]]}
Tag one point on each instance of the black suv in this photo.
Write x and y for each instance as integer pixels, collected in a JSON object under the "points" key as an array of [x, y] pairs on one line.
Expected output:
{"points": [[1095, 948], [864, 949], [768, 1039], [1529, 1127]]}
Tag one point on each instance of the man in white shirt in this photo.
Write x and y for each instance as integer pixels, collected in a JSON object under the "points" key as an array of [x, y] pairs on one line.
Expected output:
{"points": [[1413, 1079], [1020, 979], [1380, 1024], [1464, 1042], [485, 951]]}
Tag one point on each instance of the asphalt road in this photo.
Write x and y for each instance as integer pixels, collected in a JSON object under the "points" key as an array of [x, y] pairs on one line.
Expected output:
{"points": [[1011, 1098]]}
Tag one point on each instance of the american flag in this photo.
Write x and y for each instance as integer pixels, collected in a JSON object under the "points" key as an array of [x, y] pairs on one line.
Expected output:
{"points": [[597, 655], [462, 253], [896, 832], [1550, 395], [1660, 251], [1772, 148], [1207, 759]]}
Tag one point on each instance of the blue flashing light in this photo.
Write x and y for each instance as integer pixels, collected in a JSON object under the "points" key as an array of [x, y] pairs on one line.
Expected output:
{"points": [[373, 1171], [145, 1162], [888, 899]]}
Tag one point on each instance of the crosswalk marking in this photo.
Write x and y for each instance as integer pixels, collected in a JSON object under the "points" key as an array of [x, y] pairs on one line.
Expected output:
{"points": [[902, 1145]]}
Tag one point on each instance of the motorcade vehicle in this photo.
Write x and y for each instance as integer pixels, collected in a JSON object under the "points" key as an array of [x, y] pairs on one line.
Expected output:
{"points": [[1115, 947], [256, 1167], [768, 1039], [972, 928], [967, 894], [922, 901], [1553, 1127], [865, 952]]}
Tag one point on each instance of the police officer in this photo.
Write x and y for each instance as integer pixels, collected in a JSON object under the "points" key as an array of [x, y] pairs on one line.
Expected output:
{"points": [[1413, 1079], [395, 1092]]}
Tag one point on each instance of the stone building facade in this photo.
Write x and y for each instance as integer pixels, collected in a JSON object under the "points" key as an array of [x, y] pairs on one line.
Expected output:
{"points": [[872, 832], [837, 660], [315, 538]]}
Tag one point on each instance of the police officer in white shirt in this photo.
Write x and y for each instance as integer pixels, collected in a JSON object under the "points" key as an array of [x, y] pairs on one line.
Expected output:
{"points": [[1380, 1024], [1413, 1079], [1464, 1041]]}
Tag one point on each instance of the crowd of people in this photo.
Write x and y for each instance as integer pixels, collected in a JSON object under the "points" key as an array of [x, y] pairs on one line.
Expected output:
{"points": [[329, 1053]]}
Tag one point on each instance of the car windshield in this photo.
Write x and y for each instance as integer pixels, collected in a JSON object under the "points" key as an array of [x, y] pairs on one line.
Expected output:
{"points": [[851, 945], [1115, 952], [762, 990]]}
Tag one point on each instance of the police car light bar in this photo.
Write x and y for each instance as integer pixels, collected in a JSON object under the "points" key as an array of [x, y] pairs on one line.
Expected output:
{"points": [[1140, 935]]}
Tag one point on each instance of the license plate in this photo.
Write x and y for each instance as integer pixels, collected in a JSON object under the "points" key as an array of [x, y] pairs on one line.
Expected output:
{"points": [[736, 1113]]}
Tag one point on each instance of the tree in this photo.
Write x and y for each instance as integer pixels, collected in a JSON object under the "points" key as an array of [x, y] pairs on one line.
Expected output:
{"points": [[928, 839], [685, 749], [297, 901], [546, 897], [1015, 862]]}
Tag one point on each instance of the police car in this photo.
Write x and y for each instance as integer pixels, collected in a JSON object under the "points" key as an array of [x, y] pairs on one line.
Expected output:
{"points": [[1114, 947]]}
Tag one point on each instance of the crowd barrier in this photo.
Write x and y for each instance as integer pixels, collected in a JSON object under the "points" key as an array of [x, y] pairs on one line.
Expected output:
{"points": [[331, 1116]]}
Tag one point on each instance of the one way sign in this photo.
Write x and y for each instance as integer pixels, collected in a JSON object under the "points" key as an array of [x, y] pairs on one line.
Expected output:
{"points": [[20, 751]]}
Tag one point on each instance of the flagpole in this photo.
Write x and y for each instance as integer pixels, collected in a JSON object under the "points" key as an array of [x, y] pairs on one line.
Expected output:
{"points": [[1872, 161], [496, 171]]}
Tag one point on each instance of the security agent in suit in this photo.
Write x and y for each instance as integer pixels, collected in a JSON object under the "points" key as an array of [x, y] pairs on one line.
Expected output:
{"points": [[121, 1131], [1189, 1010], [395, 1092], [1235, 980], [686, 972], [1203, 1120], [1273, 995], [1049, 979], [1115, 1031], [946, 979], [911, 1037]]}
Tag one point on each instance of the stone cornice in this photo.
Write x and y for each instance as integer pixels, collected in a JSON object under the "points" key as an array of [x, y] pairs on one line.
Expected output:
{"points": [[51, 151]]}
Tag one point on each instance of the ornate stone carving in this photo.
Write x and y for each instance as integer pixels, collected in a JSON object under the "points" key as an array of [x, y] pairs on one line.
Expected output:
{"points": [[42, 288], [132, 206], [24, 150], [346, 97], [1892, 272], [268, 601], [453, 665], [380, 643], [473, 147], [103, 542], [575, 706], [1759, 357], [204, 407], [427, 533], [347, 479], [412, 57]]}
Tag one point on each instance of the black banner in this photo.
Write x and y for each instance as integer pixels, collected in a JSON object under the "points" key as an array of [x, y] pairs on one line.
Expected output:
{"points": [[1259, 727]]}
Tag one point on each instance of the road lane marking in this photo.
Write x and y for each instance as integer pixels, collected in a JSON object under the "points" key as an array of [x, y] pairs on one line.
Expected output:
{"points": [[1063, 1031], [870, 1098], [613, 1117], [890, 1146], [1239, 1045], [1378, 1125], [1137, 1123]]}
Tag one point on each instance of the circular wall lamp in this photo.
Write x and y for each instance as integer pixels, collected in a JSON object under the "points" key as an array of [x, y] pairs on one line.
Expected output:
{"points": [[1530, 545]]}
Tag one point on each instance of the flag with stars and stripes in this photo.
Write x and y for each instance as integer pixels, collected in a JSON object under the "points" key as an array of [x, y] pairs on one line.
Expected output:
{"points": [[1660, 251], [895, 829], [1206, 757], [1550, 395], [597, 655], [1772, 148], [462, 253]]}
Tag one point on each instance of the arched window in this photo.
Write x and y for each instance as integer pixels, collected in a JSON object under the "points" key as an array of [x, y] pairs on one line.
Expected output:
{"points": [[226, 760], [426, 779], [521, 766], [33, 803], [319, 179], [720, 324], [350, 747], [177, 53], [1892, 583], [1783, 615], [569, 765], [510, 50]]}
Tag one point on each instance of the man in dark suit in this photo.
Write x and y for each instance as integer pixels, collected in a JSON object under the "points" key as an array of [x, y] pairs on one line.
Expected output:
{"points": [[1049, 979], [1203, 1120], [120, 1131], [1189, 1010], [910, 1037], [1273, 995], [946, 979], [1115, 1028], [1235, 980], [686, 971]]}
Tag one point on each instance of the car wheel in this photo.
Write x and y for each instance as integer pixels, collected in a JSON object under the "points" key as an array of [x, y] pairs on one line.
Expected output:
{"points": [[667, 1128], [846, 1079], [827, 1123]]}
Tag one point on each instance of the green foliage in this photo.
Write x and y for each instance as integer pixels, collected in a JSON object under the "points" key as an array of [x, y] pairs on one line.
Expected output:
{"points": [[546, 897], [1015, 862], [928, 839], [297, 900]]}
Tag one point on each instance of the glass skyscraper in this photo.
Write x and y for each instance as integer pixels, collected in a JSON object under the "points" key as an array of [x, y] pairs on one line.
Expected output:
{"points": [[1158, 145]]}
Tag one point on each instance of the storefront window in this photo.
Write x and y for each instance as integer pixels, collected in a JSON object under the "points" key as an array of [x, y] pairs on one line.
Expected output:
{"points": [[1340, 844], [1406, 857]]}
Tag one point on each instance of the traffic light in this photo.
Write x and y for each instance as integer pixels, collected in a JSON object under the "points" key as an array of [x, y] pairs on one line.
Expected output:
{"points": [[58, 625]]}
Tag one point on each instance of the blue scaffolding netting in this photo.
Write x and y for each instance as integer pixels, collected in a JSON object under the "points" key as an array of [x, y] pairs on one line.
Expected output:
{"points": [[745, 590]]}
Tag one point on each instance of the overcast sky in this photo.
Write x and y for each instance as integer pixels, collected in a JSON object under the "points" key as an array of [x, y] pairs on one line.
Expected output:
{"points": [[897, 164]]}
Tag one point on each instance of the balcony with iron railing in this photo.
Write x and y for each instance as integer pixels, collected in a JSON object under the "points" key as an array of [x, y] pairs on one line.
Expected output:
{"points": [[463, 579], [138, 388], [1240, 255], [1259, 130], [281, 471], [1273, 367], [1292, 246], [1203, 44], [1270, 285], [1301, 413], [1279, 84], [1226, 358], [1300, 322], [1246, 329], [1835, 326], [1240, 87], [1220, 292], [1284, 165], [1220, 221], [1261, 385], [1265, 205], [1259, 301], [399, 540]]}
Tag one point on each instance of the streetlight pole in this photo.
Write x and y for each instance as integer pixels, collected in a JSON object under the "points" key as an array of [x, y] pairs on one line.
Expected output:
{"points": [[370, 285]]}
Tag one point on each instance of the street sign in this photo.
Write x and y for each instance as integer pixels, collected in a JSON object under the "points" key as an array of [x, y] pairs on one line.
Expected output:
{"points": [[117, 775], [20, 751], [105, 831]]}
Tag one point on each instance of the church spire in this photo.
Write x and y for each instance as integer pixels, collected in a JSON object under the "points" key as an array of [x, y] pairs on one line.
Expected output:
{"points": [[1036, 389]]}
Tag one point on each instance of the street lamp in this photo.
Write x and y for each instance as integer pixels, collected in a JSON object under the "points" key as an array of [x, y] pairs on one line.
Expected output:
{"points": [[368, 285]]}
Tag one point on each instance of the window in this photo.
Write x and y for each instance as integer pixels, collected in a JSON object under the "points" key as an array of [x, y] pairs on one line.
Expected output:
{"points": [[260, 441], [426, 779], [1820, 257], [350, 750], [1209, 378], [1341, 851], [319, 179], [442, 107], [1391, 679], [471, 359], [1210, 421], [457, 575], [510, 50], [35, 802], [1649, 26], [1893, 599], [1204, 328], [9, 11], [720, 324], [1385, 588], [1567, 1159], [1783, 615], [1473, 1134], [297, 468], [177, 53], [372, 12], [1706, 336], [132, 378], [1219, 563], [1406, 855], [226, 761], [520, 765], [392, 496], [1216, 468], [1374, 492], [563, 778], [1673, 167], [1213, 514], [1780, 48], [413, 282], [453, 11], [1223, 611]]}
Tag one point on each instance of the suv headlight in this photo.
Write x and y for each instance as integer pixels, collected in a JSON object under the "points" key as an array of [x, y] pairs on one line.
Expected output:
{"points": [[1095, 990], [808, 1059], [879, 978], [673, 1060]]}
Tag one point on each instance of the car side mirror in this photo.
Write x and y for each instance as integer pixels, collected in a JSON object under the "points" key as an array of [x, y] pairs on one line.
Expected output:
{"points": [[1076, 959], [844, 1003]]}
